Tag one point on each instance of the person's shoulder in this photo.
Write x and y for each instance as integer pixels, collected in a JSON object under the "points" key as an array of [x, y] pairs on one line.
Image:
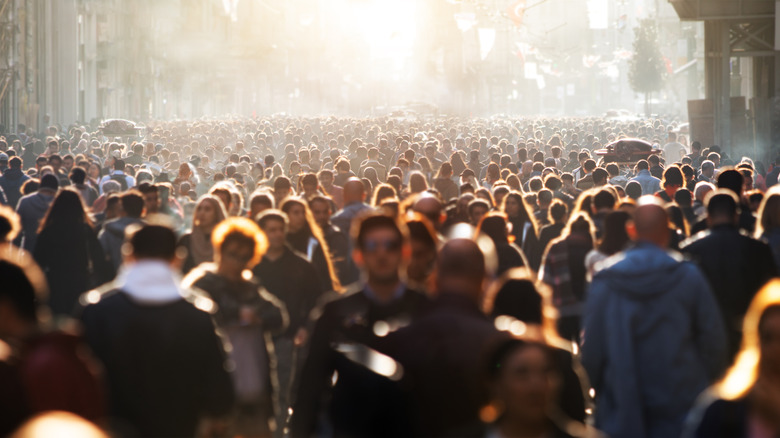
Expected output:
{"points": [[103, 296]]}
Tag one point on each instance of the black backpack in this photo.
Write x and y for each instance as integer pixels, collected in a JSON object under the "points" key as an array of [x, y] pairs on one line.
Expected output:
{"points": [[121, 179]]}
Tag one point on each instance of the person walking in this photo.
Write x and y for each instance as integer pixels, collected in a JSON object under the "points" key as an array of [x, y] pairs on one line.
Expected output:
{"points": [[164, 363], [653, 335]]}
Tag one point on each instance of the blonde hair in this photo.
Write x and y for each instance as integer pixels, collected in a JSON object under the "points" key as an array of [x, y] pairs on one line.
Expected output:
{"points": [[742, 376], [240, 229], [769, 212]]}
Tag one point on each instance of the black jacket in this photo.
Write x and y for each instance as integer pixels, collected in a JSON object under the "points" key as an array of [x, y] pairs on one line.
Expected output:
{"points": [[74, 262], [737, 266], [293, 280], [164, 363], [361, 403], [443, 355], [230, 297]]}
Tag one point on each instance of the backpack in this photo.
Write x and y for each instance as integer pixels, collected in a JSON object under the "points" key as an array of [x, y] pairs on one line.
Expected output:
{"points": [[121, 179]]}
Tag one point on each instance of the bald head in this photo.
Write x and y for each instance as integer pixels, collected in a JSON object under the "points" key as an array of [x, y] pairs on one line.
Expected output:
{"points": [[460, 269], [652, 221], [354, 191]]}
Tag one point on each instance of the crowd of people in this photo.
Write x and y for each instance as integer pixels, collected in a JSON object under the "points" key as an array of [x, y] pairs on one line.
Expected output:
{"points": [[344, 277]]}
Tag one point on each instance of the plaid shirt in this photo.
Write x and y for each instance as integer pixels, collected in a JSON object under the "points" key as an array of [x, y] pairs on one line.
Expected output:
{"points": [[561, 270]]}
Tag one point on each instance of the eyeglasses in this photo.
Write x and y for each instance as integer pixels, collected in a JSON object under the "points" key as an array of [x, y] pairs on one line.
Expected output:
{"points": [[390, 245]]}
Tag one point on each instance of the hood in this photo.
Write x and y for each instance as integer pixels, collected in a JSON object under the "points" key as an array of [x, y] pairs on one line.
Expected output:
{"points": [[642, 272], [13, 174], [41, 199], [150, 282]]}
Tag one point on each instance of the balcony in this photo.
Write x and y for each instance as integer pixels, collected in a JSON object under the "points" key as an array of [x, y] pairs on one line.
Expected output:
{"points": [[697, 10]]}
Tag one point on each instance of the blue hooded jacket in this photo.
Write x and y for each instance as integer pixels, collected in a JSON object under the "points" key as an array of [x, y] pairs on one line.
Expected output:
{"points": [[653, 340]]}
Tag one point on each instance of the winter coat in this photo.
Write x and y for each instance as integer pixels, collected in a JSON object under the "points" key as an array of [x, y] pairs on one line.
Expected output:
{"points": [[250, 342], [31, 210], [736, 266], [653, 340], [73, 262], [164, 363], [112, 237], [11, 183], [649, 183]]}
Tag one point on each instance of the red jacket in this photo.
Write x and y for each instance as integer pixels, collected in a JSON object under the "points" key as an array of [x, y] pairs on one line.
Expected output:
{"points": [[57, 373]]}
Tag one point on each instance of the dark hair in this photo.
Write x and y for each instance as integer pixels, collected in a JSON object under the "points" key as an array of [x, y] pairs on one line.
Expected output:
{"points": [[272, 214], [262, 198], [615, 236], [373, 221], [604, 198], [544, 196], [119, 164], [683, 197], [309, 178], [642, 165], [153, 242], [558, 211], [133, 203], [382, 192], [147, 187], [506, 348], [78, 175], [600, 175], [66, 213], [731, 179], [672, 177], [18, 290], [282, 183], [493, 225], [552, 182], [519, 299], [722, 203], [633, 190]]}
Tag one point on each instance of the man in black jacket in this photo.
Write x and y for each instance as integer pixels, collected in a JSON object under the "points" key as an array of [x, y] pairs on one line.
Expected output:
{"points": [[294, 281], [442, 353], [164, 362], [364, 401], [736, 265]]}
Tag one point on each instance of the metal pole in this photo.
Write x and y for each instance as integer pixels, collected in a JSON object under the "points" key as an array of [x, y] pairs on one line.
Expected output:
{"points": [[725, 114]]}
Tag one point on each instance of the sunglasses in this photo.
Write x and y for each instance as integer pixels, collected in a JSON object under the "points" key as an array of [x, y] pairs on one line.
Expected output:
{"points": [[390, 245]]}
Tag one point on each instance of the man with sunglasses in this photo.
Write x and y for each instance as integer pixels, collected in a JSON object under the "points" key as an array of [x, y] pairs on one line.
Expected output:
{"points": [[365, 401]]}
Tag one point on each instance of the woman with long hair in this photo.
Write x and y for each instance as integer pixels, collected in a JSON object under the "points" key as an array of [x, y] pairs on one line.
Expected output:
{"points": [[563, 268], [519, 296], [458, 165], [768, 223], [492, 175], [444, 183], [381, 192], [304, 236], [94, 175], [209, 212], [185, 174], [494, 225], [69, 253], [524, 227], [614, 240], [747, 401]]}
